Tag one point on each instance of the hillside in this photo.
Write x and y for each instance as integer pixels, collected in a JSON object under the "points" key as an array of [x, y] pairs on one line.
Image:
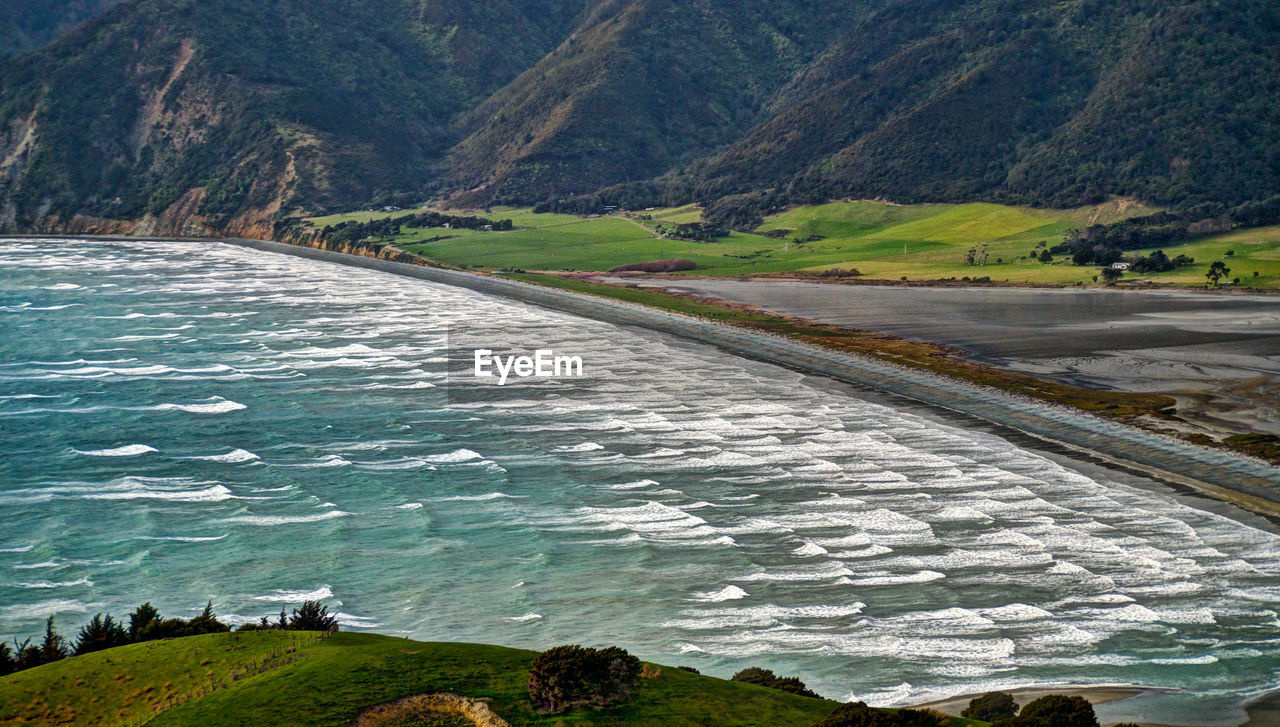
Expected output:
{"points": [[30, 24], [222, 114], [225, 115], [280, 677]]}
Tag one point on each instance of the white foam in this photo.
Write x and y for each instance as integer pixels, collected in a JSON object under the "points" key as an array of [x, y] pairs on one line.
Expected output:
{"points": [[410, 506], [584, 447], [637, 485], [185, 538], [809, 549], [476, 498], [56, 584], [233, 457], [266, 520], [729, 593], [41, 609], [893, 579], [286, 596], [216, 405], [525, 618], [454, 457], [136, 489], [355, 622], [129, 450]]}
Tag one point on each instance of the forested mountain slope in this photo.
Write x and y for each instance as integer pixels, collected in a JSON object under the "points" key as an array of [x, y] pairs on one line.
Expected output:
{"points": [[29, 24], [225, 114]]}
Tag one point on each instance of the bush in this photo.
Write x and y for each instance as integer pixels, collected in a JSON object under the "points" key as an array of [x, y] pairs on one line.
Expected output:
{"points": [[766, 678], [312, 617], [567, 675], [657, 266], [991, 707], [1057, 710], [858, 714], [100, 633]]}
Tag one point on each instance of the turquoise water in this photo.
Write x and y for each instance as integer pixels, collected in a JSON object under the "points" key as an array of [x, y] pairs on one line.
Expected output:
{"points": [[183, 422]]}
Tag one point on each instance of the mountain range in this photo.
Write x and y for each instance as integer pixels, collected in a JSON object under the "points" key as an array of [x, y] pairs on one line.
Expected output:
{"points": [[198, 116]]}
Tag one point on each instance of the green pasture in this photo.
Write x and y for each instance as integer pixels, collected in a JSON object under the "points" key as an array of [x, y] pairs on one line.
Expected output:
{"points": [[882, 241]]}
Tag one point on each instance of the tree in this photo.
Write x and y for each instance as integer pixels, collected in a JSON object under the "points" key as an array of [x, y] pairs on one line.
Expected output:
{"points": [[100, 633], [205, 623], [991, 706], [140, 619], [572, 674], [8, 662], [53, 647], [1217, 271], [1111, 275], [27, 655], [1045, 256], [1057, 710], [312, 617]]}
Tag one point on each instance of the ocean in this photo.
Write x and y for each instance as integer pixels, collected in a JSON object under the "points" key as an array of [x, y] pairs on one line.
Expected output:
{"points": [[184, 422]]}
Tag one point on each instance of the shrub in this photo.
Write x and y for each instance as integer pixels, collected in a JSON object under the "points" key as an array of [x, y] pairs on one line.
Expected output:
{"points": [[991, 706], [8, 664], [567, 675], [140, 619], [100, 633], [1057, 710], [670, 265], [312, 617], [766, 678], [858, 714], [689, 669]]}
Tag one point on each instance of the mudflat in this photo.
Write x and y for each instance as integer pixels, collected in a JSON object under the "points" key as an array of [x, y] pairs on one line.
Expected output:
{"points": [[1218, 354]]}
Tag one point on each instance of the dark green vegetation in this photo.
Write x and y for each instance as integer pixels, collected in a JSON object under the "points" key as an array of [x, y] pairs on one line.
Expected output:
{"points": [[290, 677], [858, 714], [564, 676], [766, 678], [145, 624], [224, 115], [1054, 710], [29, 24], [991, 707], [1103, 244]]}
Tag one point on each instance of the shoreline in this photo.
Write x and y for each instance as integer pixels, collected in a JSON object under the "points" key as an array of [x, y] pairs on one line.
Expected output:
{"points": [[842, 368], [1250, 484], [1132, 287]]}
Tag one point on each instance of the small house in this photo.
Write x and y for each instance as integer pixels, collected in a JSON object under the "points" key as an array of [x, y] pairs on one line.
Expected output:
{"points": [[1119, 266]]}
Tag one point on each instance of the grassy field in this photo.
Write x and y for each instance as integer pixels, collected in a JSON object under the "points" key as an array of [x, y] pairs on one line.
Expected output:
{"points": [[883, 241], [329, 681]]}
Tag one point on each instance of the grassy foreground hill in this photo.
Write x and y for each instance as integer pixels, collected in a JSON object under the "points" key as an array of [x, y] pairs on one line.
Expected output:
{"points": [[290, 678]]}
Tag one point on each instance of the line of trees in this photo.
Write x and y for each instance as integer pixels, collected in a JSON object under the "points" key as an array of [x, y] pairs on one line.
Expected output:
{"points": [[1103, 244], [352, 231], [145, 624]]}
